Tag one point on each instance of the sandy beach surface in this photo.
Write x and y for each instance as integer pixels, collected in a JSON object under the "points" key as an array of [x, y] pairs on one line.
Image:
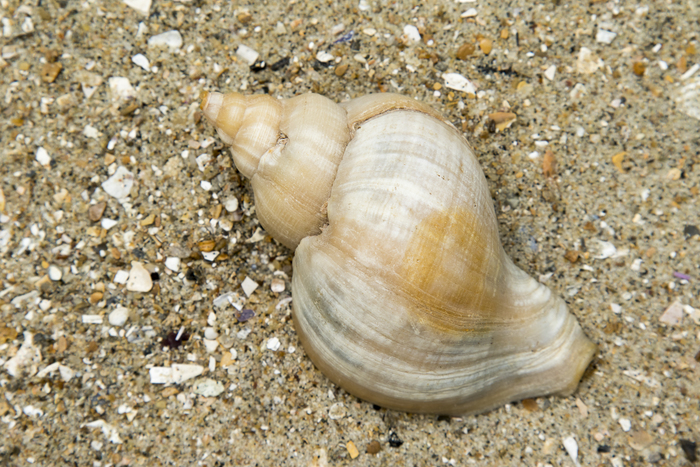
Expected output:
{"points": [[146, 315]]}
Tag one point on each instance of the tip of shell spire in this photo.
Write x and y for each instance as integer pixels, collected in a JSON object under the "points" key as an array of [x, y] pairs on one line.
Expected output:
{"points": [[211, 103]]}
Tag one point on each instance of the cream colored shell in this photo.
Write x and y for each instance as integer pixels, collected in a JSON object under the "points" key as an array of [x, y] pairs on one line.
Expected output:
{"points": [[402, 292]]}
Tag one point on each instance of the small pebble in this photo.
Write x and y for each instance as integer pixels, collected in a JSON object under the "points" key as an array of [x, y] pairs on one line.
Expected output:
{"points": [[50, 71], [374, 447], [139, 278], [119, 316], [55, 273], [689, 449], [486, 45], [640, 440], [245, 315], [231, 204], [587, 62], [120, 277], [177, 373], [465, 50], [277, 285], [352, 450], [639, 68], [530, 405], [341, 69], [394, 440], [96, 211], [245, 17]]}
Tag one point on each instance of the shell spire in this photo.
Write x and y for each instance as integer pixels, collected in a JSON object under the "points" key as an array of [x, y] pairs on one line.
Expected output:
{"points": [[403, 294]]}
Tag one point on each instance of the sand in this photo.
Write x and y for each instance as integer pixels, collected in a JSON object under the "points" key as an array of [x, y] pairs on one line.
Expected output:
{"points": [[129, 241]]}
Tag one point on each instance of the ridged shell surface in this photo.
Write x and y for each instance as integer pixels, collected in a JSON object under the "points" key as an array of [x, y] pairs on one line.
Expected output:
{"points": [[407, 299], [402, 293]]}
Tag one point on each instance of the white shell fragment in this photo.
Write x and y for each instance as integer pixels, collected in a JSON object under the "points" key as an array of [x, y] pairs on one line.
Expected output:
{"points": [[91, 132], [139, 278], [171, 39], [177, 373], [208, 387], [550, 72], [673, 314], [142, 61], [26, 359], [324, 57], [690, 72], [91, 319], [411, 33], [605, 37], [458, 83], [337, 411], [605, 249], [571, 447], [42, 156], [257, 236], [108, 430], [107, 223], [273, 344], [121, 89], [210, 345], [687, 98], [119, 185], [249, 55], [229, 298], [249, 285], [66, 372], [625, 424], [587, 62], [142, 6], [121, 276], [694, 313], [172, 263]]}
